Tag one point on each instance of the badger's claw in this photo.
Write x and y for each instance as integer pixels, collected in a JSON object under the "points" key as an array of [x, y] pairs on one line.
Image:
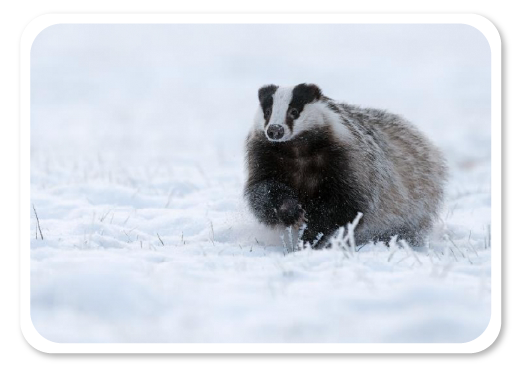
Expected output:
{"points": [[302, 217], [290, 212]]}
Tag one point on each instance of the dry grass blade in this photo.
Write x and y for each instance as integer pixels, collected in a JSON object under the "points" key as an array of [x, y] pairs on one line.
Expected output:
{"points": [[38, 223], [160, 239]]}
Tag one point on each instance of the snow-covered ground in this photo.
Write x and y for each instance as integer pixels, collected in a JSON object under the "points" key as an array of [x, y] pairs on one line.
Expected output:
{"points": [[137, 172]]}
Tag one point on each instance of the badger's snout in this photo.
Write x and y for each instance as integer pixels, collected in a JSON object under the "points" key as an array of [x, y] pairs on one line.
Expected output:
{"points": [[275, 132]]}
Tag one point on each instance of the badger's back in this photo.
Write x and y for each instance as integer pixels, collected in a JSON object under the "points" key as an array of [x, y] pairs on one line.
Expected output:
{"points": [[404, 171]]}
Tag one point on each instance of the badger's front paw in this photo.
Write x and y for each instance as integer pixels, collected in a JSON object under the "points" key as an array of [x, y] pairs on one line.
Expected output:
{"points": [[290, 212]]}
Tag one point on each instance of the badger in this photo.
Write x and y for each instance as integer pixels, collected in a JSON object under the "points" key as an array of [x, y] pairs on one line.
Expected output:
{"points": [[313, 160]]}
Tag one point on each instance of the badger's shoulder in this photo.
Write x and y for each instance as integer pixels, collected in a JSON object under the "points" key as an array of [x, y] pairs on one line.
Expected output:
{"points": [[373, 123]]}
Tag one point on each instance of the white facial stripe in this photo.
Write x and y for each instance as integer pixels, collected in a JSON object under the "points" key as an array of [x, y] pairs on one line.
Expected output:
{"points": [[316, 115], [281, 99]]}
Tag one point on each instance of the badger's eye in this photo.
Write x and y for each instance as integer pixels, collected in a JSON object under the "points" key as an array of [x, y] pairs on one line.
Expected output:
{"points": [[293, 112], [267, 112]]}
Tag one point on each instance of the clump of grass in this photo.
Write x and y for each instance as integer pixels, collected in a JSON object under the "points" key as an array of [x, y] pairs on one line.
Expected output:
{"points": [[344, 238]]}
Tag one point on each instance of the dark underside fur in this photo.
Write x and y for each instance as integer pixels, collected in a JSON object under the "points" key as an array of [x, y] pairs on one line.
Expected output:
{"points": [[290, 179]]}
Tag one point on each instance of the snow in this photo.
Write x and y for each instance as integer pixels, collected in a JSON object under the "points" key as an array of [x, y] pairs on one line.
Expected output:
{"points": [[137, 171]]}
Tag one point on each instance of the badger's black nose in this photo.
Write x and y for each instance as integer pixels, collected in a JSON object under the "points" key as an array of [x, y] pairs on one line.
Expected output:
{"points": [[275, 132]]}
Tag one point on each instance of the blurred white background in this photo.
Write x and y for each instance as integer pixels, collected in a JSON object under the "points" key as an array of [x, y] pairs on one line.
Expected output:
{"points": [[134, 91]]}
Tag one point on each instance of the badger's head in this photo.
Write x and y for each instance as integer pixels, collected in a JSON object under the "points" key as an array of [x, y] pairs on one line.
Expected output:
{"points": [[285, 112]]}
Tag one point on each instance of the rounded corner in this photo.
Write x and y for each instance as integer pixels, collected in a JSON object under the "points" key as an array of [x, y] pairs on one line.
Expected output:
{"points": [[498, 24], [495, 348], [34, 338], [498, 344], [22, 28], [486, 27], [34, 28], [29, 349], [487, 338]]}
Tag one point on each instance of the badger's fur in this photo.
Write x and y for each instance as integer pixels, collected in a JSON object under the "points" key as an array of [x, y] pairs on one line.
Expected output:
{"points": [[314, 159]]}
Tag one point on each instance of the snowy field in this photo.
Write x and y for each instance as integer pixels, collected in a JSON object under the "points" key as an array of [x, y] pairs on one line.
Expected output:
{"points": [[137, 171]]}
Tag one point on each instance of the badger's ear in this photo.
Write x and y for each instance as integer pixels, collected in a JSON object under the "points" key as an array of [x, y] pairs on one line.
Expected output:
{"points": [[266, 92], [307, 93]]}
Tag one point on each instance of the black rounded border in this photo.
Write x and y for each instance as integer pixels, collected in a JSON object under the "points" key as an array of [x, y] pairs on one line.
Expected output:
{"points": [[506, 284]]}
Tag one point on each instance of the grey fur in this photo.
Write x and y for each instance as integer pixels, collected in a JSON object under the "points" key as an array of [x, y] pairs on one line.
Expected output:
{"points": [[398, 168]]}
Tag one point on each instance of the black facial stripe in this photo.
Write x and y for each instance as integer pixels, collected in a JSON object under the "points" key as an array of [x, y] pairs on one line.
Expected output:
{"points": [[266, 99], [289, 122], [302, 95]]}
